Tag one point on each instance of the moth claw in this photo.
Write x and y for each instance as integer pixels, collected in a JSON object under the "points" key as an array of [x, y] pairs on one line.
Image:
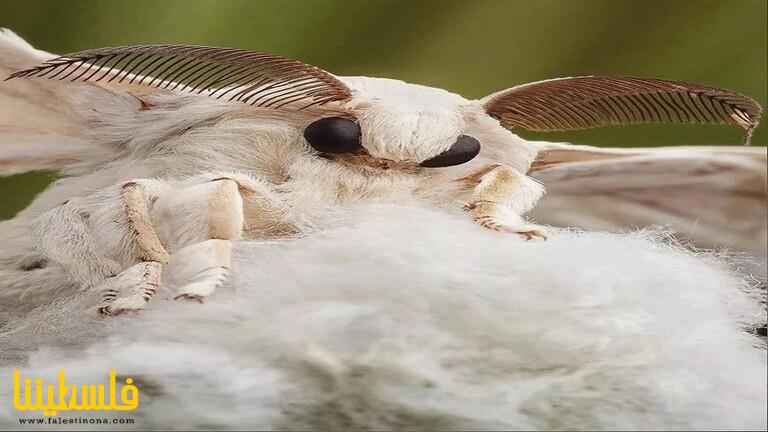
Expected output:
{"points": [[193, 297], [126, 312], [527, 232], [533, 234], [108, 311], [129, 291]]}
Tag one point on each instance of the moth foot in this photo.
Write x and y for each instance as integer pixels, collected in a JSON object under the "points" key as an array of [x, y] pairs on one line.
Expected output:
{"points": [[527, 232], [489, 222], [485, 213], [203, 284], [532, 232], [129, 291], [197, 270], [479, 205], [109, 311], [191, 297]]}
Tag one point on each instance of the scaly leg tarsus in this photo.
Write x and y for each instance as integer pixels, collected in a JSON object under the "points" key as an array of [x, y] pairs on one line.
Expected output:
{"points": [[134, 287], [500, 197], [131, 289]]}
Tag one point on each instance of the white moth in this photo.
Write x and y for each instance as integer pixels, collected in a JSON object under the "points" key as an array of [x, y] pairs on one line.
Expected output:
{"points": [[168, 153]]}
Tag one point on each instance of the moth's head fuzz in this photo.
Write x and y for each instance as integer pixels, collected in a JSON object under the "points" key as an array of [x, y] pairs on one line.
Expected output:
{"points": [[396, 125]]}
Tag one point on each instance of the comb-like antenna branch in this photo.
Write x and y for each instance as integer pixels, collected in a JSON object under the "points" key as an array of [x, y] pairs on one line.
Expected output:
{"points": [[591, 101], [251, 75]]}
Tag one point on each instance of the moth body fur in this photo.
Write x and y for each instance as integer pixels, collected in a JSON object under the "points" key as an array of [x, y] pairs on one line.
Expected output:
{"points": [[224, 144]]}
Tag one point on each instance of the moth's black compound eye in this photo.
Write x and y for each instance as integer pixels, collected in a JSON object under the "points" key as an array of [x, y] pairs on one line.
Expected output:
{"points": [[463, 150], [334, 135]]}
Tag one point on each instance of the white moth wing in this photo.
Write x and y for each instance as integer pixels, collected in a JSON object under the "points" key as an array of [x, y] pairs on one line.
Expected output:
{"points": [[44, 123], [62, 96], [714, 196]]}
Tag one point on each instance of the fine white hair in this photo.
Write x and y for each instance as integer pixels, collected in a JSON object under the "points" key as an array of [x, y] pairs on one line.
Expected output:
{"points": [[407, 317]]}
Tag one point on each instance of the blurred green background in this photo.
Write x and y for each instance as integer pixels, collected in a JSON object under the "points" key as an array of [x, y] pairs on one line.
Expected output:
{"points": [[470, 47]]}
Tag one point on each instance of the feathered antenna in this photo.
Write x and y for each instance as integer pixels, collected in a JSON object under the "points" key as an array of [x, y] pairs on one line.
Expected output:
{"points": [[592, 101], [234, 75]]}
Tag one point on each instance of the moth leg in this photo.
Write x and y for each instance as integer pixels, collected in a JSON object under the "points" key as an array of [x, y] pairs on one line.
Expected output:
{"points": [[222, 207], [201, 221], [197, 270], [134, 287], [66, 236], [500, 196], [131, 290]]}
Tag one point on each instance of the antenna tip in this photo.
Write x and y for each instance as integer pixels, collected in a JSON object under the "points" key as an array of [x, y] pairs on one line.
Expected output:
{"points": [[748, 135]]}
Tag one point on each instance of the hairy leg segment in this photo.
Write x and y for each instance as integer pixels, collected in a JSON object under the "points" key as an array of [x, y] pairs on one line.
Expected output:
{"points": [[175, 235], [500, 196]]}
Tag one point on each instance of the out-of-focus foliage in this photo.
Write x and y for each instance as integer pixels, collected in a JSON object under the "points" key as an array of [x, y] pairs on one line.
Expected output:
{"points": [[469, 47]]}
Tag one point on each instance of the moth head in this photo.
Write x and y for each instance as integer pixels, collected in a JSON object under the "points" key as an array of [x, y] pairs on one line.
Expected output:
{"points": [[396, 124], [343, 136]]}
